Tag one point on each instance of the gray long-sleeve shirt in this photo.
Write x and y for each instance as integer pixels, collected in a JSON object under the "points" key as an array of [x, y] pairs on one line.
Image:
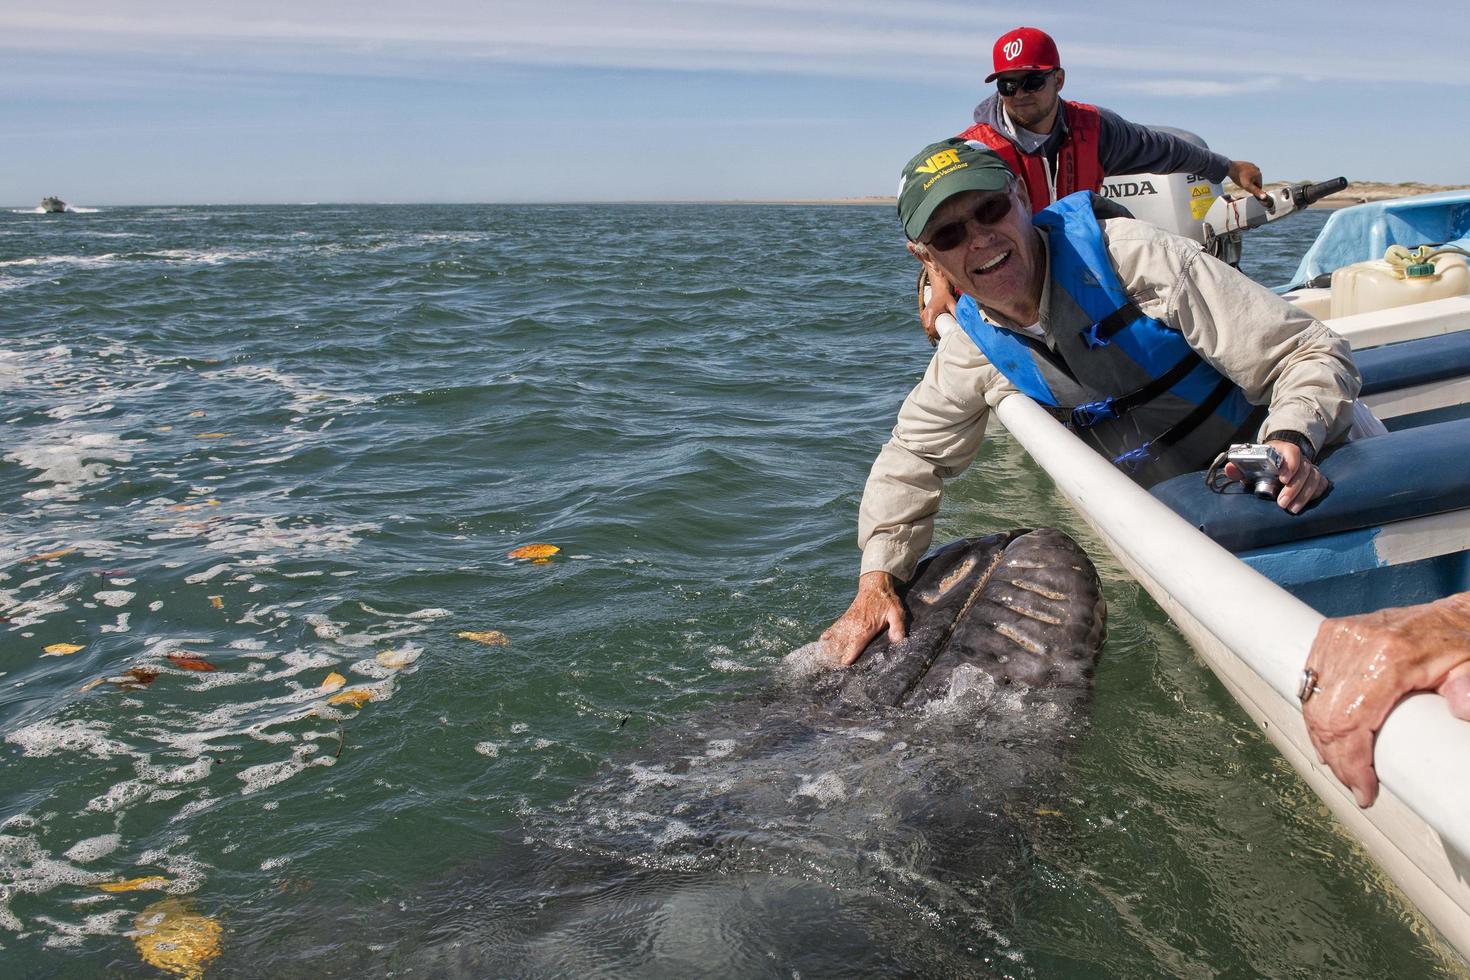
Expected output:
{"points": [[1123, 147]]}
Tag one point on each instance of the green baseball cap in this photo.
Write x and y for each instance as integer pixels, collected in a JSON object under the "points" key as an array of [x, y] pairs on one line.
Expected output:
{"points": [[940, 171]]}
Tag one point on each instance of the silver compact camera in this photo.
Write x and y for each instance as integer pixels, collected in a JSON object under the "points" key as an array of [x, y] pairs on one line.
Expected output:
{"points": [[1260, 468]]}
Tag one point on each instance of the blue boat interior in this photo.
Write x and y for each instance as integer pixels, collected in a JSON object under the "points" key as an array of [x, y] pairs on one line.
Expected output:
{"points": [[1336, 555], [1331, 555], [1413, 363], [1364, 232]]}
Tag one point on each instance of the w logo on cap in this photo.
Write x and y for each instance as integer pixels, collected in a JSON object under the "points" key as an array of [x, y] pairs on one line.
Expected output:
{"points": [[1023, 49]]}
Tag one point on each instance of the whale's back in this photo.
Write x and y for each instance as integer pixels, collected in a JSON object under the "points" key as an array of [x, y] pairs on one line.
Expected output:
{"points": [[1024, 608]]}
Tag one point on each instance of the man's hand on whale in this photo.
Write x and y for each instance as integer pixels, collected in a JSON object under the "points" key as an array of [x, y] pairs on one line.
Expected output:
{"points": [[1360, 667], [875, 608]]}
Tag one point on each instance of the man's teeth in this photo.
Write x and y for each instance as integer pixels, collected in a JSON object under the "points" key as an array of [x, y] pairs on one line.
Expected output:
{"points": [[994, 262]]}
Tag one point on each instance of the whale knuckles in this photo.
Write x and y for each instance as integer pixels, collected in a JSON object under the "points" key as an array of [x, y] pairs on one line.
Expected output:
{"points": [[1023, 606]]}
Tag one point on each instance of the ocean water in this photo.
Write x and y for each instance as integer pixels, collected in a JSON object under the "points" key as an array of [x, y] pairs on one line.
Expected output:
{"points": [[245, 449]]}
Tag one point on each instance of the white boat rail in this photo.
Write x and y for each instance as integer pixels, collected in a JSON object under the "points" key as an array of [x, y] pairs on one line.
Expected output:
{"points": [[1419, 830], [1430, 319]]}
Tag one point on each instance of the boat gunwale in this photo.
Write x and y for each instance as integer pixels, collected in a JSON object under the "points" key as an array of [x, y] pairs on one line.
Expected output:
{"points": [[1421, 830]]}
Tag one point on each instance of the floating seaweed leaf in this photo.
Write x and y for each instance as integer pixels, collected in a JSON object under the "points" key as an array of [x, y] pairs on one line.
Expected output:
{"points": [[396, 659], [48, 555], [185, 660], [491, 638], [61, 649], [133, 884], [333, 681], [533, 551], [135, 678], [356, 697], [174, 938]]}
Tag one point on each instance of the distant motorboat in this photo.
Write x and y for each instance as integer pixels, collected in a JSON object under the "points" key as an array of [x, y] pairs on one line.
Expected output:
{"points": [[53, 205]]}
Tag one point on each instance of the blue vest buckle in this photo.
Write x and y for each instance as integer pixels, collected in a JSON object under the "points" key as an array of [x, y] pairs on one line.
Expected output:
{"points": [[1093, 339], [1135, 458], [1088, 415]]}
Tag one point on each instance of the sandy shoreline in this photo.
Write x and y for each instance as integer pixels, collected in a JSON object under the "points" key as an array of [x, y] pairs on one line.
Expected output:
{"points": [[1358, 192]]}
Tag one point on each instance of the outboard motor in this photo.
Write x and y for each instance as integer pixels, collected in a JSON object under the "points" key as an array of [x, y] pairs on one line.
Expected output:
{"points": [[1195, 207], [1176, 203], [1228, 216]]}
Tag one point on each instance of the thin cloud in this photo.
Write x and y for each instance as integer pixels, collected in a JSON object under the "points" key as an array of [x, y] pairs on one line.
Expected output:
{"points": [[924, 40], [1198, 88]]}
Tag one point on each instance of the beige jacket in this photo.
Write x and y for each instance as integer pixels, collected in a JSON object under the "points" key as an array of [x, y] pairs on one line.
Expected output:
{"points": [[1278, 355]]}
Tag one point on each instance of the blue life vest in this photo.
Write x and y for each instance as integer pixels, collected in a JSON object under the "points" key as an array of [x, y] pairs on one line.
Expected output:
{"points": [[1126, 383]]}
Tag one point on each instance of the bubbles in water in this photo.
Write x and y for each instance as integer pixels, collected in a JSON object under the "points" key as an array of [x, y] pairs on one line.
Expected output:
{"points": [[805, 662], [71, 462], [48, 737], [93, 848], [826, 788]]}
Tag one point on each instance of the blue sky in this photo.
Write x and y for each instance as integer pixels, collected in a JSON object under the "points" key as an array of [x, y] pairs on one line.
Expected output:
{"points": [[198, 101]]}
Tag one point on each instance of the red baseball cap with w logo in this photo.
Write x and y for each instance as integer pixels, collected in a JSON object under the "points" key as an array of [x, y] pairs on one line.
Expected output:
{"points": [[1024, 49]]}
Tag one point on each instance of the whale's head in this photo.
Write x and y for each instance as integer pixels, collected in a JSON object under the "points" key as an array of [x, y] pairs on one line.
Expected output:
{"points": [[1024, 608]]}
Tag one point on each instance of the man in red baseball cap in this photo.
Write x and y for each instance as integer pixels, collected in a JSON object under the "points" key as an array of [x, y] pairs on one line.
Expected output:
{"points": [[1061, 147]]}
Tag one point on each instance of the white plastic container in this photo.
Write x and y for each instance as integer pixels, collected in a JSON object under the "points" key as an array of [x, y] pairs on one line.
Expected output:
{"points": [[1379, 285]]}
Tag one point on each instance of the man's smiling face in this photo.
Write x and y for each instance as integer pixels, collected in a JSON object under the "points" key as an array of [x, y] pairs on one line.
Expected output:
{"points": [[997, 262]]}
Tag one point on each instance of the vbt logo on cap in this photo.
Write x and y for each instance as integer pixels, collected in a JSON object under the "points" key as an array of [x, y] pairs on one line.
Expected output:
{"points": [[1013, 49], [936, 163]]}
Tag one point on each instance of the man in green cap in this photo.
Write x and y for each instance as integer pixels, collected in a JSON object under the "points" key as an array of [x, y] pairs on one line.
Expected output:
{"points": [[1152, 351]]}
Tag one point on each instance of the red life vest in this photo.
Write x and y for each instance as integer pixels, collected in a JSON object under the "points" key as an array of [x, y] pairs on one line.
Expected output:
{"points": [[1078, 168]]}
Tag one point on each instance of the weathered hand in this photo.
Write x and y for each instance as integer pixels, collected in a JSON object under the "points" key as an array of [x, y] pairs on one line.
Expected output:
{"points": [[1366, 664], [941, 300], [876, 607], [1247, 177], [1301, 481]]}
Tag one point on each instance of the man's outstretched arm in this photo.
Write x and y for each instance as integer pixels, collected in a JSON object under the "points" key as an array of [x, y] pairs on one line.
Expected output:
{"points": [[939, 430], [1127, 148]]}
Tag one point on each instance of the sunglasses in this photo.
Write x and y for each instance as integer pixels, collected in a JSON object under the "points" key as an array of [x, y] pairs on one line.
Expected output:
{"points": [[988, 212], [1029, 82]]}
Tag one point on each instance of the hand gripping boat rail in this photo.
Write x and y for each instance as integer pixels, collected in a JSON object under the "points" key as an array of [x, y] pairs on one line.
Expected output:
{"points": [[1419, 830]]}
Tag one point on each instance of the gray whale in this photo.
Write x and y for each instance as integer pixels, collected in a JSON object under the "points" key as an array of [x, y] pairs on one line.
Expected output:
{"points": [[1023, 607], [840, 823]]}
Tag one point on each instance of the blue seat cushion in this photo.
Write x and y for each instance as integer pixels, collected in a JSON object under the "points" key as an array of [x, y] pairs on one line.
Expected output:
{"points": [[1411, 473], [1414, 362]]}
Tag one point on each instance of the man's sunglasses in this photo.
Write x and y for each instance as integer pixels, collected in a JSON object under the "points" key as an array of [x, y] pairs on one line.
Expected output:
{"points": [[989, 211], [1029, 82]]}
